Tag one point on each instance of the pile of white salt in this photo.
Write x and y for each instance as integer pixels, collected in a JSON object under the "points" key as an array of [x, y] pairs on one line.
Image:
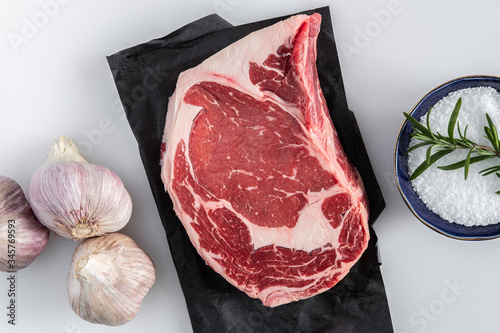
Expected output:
{"points": [[468, 202]]}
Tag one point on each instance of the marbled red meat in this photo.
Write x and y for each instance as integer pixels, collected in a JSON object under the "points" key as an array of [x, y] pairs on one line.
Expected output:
{"points": [[256, 172]]}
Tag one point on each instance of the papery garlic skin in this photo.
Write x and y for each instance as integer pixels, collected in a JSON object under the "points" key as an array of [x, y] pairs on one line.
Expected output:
{"points": [[28, 237], [77, 199], [108, 279]]}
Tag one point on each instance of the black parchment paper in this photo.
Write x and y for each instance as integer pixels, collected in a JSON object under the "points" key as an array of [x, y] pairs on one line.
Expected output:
{"points": [[145, 76]]}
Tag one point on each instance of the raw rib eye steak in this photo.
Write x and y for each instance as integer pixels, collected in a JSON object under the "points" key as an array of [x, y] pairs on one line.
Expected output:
{"points": [[256, 171]]}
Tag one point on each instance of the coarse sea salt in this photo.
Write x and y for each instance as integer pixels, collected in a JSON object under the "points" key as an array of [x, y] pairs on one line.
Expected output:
{"points": [[470, 202]]}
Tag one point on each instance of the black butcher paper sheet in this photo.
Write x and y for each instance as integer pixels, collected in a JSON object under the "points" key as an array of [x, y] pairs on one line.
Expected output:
{"points": [[145, 76]]}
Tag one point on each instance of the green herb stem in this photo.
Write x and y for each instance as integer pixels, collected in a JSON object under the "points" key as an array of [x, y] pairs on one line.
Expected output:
{"points": [[439, 146]]}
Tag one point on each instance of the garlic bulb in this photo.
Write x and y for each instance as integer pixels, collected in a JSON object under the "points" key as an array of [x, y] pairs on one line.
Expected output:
{"points": [[77, 199], [108, 279], [22, 237]]}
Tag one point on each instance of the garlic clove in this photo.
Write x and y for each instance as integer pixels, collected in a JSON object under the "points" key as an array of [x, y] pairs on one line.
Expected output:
{"points": [[22, 236], [108, 279], [77, 199]]}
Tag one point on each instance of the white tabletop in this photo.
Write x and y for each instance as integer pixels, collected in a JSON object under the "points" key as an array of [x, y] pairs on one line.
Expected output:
{"points": [[55, 81]]}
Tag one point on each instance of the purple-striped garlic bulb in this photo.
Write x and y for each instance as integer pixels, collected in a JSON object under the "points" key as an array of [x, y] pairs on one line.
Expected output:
{"points": [[77, 199], [22, 236]]}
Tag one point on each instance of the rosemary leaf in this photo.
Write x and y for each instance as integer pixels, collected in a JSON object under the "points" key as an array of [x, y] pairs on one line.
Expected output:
{"points": [[418, 145], [461, 164], [428, 154], [467, 163], [417, 126], [489, 171], [462, 136], [488, 119], [422, 137], [427, 118], [485, 152], [434, 157], [489, 134], [453, 119], [494, 133]]}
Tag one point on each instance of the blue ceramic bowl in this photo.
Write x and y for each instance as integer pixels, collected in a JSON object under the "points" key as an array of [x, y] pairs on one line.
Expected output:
{"points": [[418, 208]]}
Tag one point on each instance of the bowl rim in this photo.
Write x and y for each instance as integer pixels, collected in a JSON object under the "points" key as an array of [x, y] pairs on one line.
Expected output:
{"points": [[396, 163]]}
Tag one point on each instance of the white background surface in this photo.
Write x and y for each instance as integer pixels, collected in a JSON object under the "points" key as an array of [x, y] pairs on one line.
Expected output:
{"points": [[55, 81]]}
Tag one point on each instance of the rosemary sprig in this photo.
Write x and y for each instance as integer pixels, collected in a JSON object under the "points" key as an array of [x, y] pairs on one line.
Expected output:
{"points": [[439, 145]]}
